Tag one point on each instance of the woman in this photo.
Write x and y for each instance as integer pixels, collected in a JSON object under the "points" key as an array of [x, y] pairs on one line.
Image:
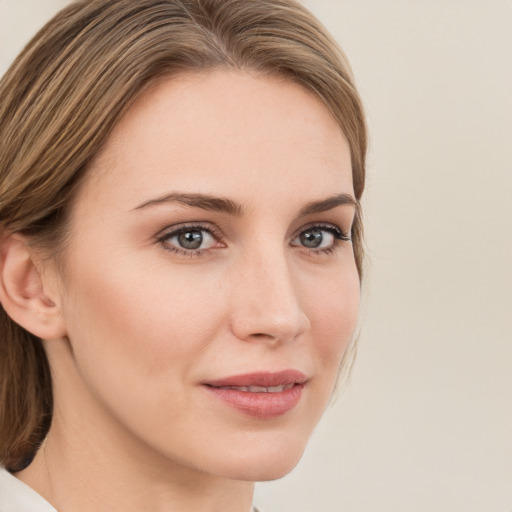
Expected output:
{"points": [[181, 251]]}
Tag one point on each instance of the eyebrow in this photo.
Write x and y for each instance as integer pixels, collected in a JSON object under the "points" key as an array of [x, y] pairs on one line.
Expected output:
{"points": [[328, 204], [203, 201], [223, 205]]}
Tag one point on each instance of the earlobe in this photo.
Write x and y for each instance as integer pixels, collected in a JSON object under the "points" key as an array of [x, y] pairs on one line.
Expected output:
{"points": [[22, 290]]}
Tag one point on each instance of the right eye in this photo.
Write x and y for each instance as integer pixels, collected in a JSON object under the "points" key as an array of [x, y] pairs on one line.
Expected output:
{"points": [[189, 240]]}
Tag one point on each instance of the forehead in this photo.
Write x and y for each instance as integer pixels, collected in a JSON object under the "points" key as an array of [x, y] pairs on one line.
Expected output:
{"points": [[219, 132]]}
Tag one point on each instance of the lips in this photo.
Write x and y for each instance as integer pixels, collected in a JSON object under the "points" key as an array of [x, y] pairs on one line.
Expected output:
{"points": [[262, 379], [261, 395]]}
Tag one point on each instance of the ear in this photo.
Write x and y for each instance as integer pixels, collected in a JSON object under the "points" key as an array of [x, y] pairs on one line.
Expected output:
{"points": [[23, 293]]}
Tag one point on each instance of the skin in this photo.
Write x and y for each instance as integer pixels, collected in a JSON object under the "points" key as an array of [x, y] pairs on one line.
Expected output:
{"points": [[146, 325]]}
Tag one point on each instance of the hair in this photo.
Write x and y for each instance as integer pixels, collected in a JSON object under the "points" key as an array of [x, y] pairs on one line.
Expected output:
{"points": [[65, 92]]}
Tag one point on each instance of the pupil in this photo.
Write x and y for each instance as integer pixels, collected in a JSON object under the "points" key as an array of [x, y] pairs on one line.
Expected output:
{"points": [[191, 239], [311, 238]]}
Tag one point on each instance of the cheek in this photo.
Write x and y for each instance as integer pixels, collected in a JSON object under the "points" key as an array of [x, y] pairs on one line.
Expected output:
{"points": [[334, 314], [142, 322]]}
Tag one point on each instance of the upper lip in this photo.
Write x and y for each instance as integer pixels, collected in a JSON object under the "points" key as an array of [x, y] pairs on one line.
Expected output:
{"points": [[263, 379]]}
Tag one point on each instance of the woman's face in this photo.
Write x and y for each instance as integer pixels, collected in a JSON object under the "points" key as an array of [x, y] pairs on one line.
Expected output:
{"points": [[210, 288]]}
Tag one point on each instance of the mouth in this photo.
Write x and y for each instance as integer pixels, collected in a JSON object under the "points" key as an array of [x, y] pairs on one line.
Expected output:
{"points": [[259, 389], [262, 395]]}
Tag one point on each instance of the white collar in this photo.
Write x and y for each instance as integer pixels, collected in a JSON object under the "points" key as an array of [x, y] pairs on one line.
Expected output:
{"points": [[16, 496]]}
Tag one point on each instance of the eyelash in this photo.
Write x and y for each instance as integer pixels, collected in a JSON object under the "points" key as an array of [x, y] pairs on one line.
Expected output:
{"points": [[212, 231], [339, 237]]}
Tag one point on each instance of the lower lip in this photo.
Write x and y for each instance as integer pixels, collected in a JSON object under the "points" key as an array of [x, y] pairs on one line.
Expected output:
{"points": [[260, 405]]}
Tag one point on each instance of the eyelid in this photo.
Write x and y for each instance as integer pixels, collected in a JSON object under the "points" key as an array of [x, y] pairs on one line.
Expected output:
{"points": [[183, 226], [340, 238], [327, 226], [177, 229]]}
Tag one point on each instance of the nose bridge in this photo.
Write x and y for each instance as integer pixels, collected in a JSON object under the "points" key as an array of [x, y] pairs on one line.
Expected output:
{"points": [[266, 301]]}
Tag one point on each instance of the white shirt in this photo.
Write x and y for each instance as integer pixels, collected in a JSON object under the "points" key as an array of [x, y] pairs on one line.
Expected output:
{"points": [[16, 496]]}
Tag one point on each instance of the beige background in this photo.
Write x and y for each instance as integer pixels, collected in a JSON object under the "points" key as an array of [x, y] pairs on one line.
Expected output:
{"points": [[425, 423]]}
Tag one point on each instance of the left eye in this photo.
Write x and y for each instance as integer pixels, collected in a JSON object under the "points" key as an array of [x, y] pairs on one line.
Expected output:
{"points": [[319, 237], [190, 239]]}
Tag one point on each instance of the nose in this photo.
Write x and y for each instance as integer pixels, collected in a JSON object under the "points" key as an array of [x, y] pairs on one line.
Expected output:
{"points": [[266, 302]]}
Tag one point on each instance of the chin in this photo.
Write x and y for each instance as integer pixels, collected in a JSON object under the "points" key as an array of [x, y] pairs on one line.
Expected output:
{"points": [[274, 471], [267, 470], [264, 461]]}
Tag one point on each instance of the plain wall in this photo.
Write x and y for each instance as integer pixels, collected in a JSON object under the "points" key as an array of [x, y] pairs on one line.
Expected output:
{"points": [[425, 422]]}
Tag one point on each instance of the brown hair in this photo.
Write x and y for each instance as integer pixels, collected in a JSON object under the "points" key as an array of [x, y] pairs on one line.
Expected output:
{"points": [[67, 89]]}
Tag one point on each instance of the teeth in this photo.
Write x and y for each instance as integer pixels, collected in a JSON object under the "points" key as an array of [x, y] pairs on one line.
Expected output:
{"points": [[260, 389], [257, 389]]}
